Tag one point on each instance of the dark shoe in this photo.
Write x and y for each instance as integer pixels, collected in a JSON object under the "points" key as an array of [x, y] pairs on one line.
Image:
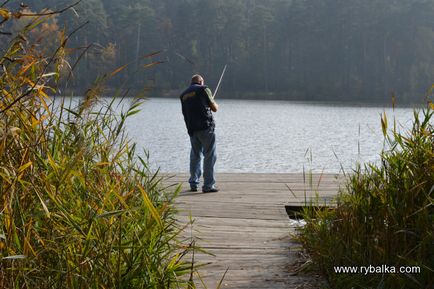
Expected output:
{"points": [[193, 189], [212, 190]]}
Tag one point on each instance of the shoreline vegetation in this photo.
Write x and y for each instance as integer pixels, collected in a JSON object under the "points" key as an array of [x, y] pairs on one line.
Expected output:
{"points": [[78, 207], [269, 96], [283, 97], [384, 216]]}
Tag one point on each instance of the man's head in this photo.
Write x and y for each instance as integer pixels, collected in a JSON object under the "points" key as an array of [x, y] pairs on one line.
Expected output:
{"points": [[197, 79]]}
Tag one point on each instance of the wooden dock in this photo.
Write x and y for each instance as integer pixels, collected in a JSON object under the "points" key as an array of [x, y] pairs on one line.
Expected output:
{"points": [[246, 228]]}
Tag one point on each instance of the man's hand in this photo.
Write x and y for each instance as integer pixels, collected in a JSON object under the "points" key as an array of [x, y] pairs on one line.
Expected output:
{"points": [[214, 106]]}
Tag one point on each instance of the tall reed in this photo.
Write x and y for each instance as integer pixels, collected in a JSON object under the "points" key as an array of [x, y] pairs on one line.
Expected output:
{"points": [[384, 215], [78, 207]]}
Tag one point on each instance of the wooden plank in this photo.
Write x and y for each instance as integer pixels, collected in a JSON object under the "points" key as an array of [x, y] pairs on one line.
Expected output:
{"points": [[264, 188], [226, 192], [284, 187], [238, 223], [248, 213], [269, 199], [258, 177]]}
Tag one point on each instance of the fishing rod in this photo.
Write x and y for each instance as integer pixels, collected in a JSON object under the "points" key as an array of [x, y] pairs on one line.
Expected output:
{"points": [[220, 80]]}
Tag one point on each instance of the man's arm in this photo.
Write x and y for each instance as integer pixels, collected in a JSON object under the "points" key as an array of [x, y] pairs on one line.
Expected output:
{"points": [[212, 104]]}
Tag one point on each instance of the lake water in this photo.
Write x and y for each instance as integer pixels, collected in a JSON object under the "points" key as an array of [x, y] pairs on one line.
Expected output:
{"points": [[268, 136]]}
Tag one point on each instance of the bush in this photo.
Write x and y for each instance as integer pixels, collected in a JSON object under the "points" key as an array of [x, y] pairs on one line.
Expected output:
{"points": [[78, 208], [384, 216]]}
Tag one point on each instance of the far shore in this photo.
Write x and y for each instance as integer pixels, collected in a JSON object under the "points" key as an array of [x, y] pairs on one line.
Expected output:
{"points": [[260, 96]]}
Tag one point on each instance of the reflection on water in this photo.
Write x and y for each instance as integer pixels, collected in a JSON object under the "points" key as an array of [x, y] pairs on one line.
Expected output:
{"points": [[297, 223], [268, 136]]}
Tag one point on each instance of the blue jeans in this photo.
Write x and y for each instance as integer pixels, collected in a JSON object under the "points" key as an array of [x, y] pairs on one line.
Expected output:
{"points": [[202, 142]]}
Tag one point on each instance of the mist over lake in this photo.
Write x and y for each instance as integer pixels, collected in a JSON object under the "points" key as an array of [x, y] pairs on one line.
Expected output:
{"points": [[268, 136]]}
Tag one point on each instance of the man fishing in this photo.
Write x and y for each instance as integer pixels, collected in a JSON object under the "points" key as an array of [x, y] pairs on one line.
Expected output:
{"points": [[197, 107]]}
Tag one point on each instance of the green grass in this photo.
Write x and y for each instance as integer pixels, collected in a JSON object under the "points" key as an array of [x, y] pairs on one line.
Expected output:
{"points": [[78, 207], [384, 215]]}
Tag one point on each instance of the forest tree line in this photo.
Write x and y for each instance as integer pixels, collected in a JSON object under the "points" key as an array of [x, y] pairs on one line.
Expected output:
{"points": [[281, 49]]}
